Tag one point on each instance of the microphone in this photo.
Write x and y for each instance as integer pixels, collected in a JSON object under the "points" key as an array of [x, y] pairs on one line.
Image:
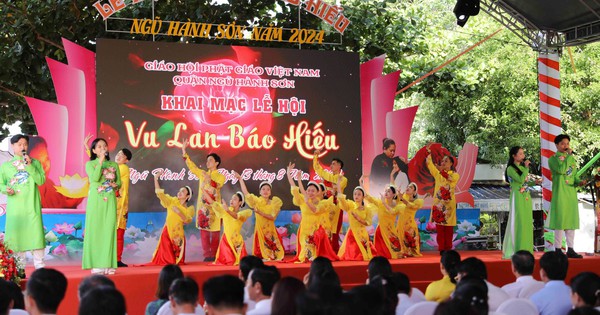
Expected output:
{"points": [[24, 153]]}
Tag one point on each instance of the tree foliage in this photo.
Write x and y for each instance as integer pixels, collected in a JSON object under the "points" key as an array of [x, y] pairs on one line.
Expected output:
{"points": [[488, 96]]}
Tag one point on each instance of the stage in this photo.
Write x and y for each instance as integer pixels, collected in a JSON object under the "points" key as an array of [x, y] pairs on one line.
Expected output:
{"points": [[138, 284]]}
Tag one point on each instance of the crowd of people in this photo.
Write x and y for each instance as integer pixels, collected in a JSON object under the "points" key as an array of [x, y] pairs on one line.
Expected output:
{"points": [[259, 289]]}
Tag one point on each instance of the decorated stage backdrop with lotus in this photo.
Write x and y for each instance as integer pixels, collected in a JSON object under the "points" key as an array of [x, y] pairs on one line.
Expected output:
{"points": [[258, 108]]}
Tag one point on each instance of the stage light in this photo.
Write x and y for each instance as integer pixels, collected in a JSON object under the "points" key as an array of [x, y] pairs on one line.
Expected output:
{"points": [[464, 9]]}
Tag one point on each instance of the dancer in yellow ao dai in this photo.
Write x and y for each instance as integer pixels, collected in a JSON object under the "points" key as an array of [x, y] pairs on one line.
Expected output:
{"points": [[267, 242], [231, 247], [313, 240], [356, 244], [386, 241]]}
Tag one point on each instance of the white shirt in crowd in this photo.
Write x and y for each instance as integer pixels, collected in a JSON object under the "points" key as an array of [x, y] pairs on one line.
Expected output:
{"points": [[249, 303], [262, 308], [166, 310], [524, 287], [495, 296], [405, 301]]}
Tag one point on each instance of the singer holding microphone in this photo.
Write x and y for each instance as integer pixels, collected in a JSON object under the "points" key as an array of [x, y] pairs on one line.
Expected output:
{"points": [[564, 208], [100, 241], [519, 229], [19, 180]]}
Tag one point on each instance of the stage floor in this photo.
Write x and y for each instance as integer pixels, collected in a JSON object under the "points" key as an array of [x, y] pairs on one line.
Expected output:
{"points": [[138, 283]]}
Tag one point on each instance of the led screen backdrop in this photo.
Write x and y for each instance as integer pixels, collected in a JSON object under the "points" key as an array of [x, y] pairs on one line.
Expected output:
{"points": [[258, 108]]}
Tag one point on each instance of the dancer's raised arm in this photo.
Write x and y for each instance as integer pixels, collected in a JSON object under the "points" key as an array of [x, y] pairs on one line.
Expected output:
{"points": [[242, 183], [290, 167]]}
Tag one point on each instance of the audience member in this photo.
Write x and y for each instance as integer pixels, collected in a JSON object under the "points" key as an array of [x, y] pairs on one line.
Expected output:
{"points": [[284, 296], [327, 287], [449, 307], [555, 297], [388, 291], [522, 263], [584, 310], [224, 295], [471, 296], [378, 266], [364, 299], [45, 290], [475, 267], [102, 300], [167, 275], [440, 290], [16, 295], [323, 282], [308, 303], [318, 267], [323, 289], [183, 296], [91, 282], [248, 263], [585, 290], [404, 291], [6, 301], [260, 287]]}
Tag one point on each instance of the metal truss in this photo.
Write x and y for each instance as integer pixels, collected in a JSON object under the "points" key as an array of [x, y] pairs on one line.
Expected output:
{"points": [[543, 41]]}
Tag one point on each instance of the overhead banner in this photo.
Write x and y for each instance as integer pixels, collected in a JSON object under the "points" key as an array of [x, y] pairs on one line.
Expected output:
{"points": [[257, 108]]}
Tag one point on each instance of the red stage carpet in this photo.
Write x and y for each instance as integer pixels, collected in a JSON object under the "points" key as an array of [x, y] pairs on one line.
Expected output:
{"points": [[138, 284]]}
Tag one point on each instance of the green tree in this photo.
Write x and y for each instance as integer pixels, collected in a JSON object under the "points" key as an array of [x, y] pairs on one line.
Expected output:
{"points": [[580, 98], [488, 96]]}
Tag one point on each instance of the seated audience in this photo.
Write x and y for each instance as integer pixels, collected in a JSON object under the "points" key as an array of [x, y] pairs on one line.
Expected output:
{"points": [[6, 300], [470, 298], [183, 296], [585, 290], [475, 267], [584, 310], [522, 263], [364, 299], [323, 282], [378, 266], [388, 291], [167, 275], [45, 290], [248, 263], [440, 290], [102, 300], [555, 297], [284, 296], [404, 291], [17, 297], [91, 282], [318, 267], [260, 287], [224, 295]]}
